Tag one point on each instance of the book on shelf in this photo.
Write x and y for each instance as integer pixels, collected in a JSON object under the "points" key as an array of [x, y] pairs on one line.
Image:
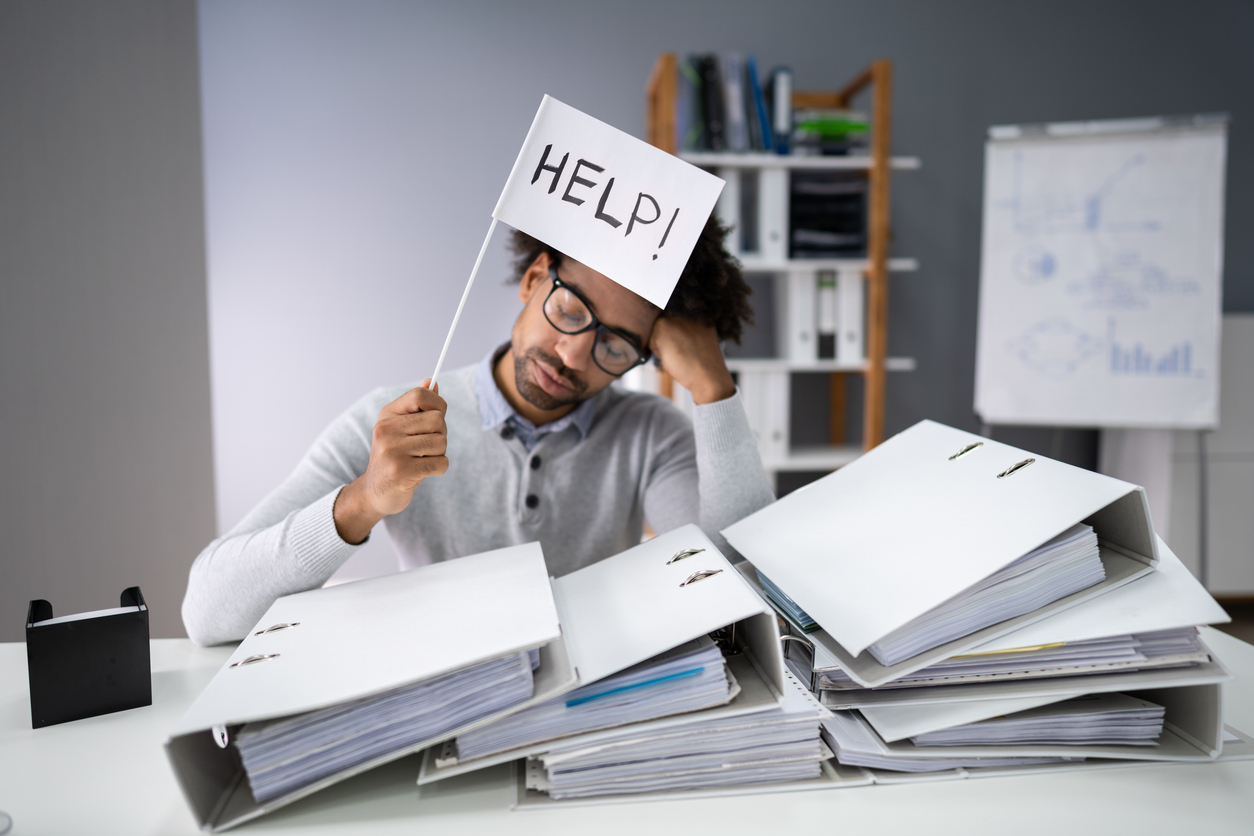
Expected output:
{"points": [[724, 104]]}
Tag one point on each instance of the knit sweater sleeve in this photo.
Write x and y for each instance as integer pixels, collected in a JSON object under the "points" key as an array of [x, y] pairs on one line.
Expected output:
{"points": [[288, 543], [711, 475]]}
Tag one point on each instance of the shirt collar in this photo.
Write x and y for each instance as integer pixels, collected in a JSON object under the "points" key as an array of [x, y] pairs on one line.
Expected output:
{"points": [[494, 410]]}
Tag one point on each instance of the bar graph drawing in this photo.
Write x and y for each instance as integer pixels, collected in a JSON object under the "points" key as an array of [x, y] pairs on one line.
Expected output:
{"points": [[1136, 359]]}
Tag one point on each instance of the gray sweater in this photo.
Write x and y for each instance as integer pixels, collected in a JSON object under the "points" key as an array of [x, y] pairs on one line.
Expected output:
{"points": [[584, 500]]}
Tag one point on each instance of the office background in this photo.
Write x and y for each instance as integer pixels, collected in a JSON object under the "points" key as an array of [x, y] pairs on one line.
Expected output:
{"points": [[221, 223]]}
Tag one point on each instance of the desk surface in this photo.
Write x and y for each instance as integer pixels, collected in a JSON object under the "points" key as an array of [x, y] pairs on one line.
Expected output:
{"points": [[109, 775]]}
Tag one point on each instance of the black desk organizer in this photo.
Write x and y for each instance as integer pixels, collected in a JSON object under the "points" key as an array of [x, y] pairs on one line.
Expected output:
{"points": [[87, 667]]}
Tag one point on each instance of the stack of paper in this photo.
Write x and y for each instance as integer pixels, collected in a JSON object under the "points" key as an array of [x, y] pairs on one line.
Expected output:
{"points": [[856, 744], [335, 681], [1164, 648], [1096, 718], [283, 755], [975, 606], [691, 677], [779, 744], [1066, 564]]}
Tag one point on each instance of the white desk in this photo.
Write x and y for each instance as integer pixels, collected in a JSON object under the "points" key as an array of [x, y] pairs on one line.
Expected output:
{"points": [[109, 775]]}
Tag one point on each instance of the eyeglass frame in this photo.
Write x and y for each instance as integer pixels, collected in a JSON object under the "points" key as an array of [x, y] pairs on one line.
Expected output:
{"points": [[643, 355]]}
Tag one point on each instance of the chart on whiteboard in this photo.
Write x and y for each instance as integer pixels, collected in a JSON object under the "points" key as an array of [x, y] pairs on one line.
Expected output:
{"points": [[1100, 279]]}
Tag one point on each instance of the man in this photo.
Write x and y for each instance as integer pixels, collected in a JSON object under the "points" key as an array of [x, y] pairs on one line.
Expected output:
{"points": [[532, 444]]}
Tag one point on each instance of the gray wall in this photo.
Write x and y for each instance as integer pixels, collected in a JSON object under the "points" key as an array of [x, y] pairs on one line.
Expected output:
{"points": [[354, 151], [104, 418]]}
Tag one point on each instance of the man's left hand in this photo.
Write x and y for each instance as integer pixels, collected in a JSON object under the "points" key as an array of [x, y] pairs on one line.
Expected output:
{"points": [[690, 353]]}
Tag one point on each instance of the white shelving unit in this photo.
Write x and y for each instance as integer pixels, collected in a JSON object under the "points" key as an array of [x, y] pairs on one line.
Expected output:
{"points": [[801, 314], [843, 300]]}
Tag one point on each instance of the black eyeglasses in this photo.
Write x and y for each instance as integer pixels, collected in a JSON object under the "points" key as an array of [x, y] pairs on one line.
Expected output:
{"points": [[613, 352]]}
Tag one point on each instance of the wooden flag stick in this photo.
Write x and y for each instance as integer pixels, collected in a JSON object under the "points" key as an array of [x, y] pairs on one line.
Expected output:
{"points": [[465, 294]]}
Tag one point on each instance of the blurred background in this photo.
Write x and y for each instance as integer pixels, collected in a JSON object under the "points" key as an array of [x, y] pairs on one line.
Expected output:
{"points": [[223, 222]]}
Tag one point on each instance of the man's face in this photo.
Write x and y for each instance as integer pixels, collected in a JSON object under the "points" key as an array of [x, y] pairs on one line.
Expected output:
{"points": [[552, 369]]}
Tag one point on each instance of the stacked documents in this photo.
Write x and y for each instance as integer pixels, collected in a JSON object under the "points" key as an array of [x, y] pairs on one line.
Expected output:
{"points": [[781, 743], [972, 606], [1096, 718], [1163, 648], [691, 677], [1066, 564], [283, 755], [857, 744]]}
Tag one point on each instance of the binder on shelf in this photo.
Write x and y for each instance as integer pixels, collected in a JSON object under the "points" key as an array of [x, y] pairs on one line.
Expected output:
{"points": [[799, 311], [633, 606], [336, 645], [766, 398], [826, 326], [850, 313], [920, 519], [87, 664], [737, 122]]}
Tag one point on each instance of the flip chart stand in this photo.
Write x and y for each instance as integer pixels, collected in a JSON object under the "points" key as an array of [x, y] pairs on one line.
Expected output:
{"points": [[89, 665]]}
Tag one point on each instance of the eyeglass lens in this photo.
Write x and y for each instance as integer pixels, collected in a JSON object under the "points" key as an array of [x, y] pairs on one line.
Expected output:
{"points": [[570, 315]]}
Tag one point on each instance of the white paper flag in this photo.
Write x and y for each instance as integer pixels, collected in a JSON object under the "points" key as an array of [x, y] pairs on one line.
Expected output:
{"points": [[608, 200]]}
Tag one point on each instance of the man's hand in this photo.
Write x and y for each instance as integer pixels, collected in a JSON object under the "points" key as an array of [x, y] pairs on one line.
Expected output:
{"points": [[409, 443], [690, 353]]}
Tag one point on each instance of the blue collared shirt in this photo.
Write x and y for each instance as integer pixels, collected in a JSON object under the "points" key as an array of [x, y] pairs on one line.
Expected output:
{"points": [[494, 410]]}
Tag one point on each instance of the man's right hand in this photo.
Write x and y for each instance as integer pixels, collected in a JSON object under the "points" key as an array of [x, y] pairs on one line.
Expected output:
{"points": [[409, 443]]}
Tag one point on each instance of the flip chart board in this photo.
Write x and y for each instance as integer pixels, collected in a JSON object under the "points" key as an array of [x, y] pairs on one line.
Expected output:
{"points": [[1100, 274]]}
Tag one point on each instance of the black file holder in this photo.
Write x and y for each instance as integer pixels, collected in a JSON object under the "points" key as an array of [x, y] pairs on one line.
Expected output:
{"points": [[90, 666]]}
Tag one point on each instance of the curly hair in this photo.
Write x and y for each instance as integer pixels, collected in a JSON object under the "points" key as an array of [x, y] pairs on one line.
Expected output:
{"points": [[711, 289]]}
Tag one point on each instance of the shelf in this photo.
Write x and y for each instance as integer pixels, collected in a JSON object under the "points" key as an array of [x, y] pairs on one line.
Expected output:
{"points": [[814, 458], [749, 264], [721, 160], [775, 364]]}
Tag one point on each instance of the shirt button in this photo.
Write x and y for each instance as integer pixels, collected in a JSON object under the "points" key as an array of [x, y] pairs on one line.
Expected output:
{"points": [[535, 462], [507, 433], [532, 500]]}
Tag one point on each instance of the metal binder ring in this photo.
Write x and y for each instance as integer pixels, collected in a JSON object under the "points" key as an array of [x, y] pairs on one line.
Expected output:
{"points": [[700, 576], [1015, 468], [799, 640], [274, 628], [260, 657], [681, 555], [966, 450]]}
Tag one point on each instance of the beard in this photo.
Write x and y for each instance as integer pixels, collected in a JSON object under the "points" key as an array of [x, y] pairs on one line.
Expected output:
{"points": [[531, 391]]}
